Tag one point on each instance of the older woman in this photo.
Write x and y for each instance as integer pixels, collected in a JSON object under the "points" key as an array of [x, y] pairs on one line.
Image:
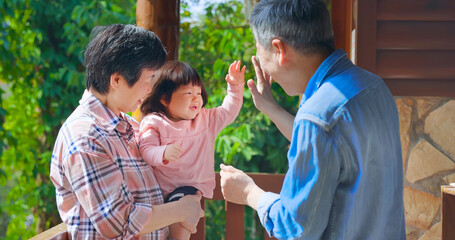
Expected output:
{"points": [[104, 189]]}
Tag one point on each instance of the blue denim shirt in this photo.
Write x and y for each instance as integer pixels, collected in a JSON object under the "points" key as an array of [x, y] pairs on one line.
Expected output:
{"points": [[345, 177]]}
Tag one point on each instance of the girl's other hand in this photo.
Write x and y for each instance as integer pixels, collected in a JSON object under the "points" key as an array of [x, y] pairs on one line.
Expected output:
{"points": [[172, 153]]}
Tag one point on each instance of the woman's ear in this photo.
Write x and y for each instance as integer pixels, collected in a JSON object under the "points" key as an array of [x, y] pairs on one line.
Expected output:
{"points": [[116, 80], [280, 50]]}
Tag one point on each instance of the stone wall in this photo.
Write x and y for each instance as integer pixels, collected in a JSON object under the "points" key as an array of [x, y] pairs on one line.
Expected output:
{"points": [[427, 129]]}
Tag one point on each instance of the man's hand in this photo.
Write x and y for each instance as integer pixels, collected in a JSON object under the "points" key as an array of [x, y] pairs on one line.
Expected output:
{"points": [[264, 101], [192, 211], [236, 75], [172, 153], [237, 187], [262, 92]]}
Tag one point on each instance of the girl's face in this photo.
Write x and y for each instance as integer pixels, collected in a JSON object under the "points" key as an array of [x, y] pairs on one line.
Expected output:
{"points": [[185, 104]]}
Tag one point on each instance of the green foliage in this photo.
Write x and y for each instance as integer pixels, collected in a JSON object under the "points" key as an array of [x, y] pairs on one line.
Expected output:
{"points": [[41, 63], [41, 55], [252, 143]]}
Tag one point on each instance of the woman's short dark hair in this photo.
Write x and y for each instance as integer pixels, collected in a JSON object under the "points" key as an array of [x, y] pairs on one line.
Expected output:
{"points": [[305, 25], [122, 49], [169, 78]]}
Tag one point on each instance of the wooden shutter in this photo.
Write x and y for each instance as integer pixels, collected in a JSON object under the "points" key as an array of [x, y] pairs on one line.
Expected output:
{"points": [[410, 44]]}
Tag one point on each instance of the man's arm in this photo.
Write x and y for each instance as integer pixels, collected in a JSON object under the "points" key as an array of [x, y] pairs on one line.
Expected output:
{"points": [[264, 101], [237, 187], [302, 208]]}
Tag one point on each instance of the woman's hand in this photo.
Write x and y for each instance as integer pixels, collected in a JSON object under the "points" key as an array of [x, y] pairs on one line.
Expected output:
{"points": [[192, 211]]}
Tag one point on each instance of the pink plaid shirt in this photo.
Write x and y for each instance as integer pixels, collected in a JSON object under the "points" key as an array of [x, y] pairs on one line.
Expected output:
{"points": [[103, 187]]}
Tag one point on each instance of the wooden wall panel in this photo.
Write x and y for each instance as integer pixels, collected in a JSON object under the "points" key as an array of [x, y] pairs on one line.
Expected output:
{"points": [[422, 35], [366, 35], [421, 87], [411, 44], [416, 64], [428, 10]]}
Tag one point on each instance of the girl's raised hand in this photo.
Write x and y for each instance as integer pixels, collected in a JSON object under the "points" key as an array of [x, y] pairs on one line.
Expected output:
{"points": [[236, 75]]}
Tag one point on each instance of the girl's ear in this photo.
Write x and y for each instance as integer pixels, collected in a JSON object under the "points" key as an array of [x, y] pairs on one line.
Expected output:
{"points": [[163, 101]]}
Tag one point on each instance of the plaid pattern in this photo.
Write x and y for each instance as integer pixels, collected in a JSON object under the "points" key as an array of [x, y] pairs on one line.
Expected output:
{"points": [[103, 187]]}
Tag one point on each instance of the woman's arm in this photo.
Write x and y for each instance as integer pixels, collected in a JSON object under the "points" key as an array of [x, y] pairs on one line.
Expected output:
{"points": [[185, 211], [104, 195]]}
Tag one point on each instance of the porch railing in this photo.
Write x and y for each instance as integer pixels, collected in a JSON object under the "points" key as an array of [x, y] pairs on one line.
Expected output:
{"points": [[235, 224]]}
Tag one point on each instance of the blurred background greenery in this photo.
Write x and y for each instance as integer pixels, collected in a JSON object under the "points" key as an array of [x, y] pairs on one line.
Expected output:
{"points": [[42, 79]]}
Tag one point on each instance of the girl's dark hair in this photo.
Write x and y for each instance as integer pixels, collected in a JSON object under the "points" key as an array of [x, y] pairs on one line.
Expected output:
{"points": [[170, 77]]}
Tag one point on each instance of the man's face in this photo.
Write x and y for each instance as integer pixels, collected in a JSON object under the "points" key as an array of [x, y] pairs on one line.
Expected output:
{"points": [[264, 58], [271, 62]]}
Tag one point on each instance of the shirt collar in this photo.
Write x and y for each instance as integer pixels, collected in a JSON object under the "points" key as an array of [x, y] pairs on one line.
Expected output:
{"points": [[107, 119], [333, 61]]}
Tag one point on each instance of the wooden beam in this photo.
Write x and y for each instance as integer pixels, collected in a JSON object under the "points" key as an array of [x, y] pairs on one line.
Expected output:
{"points": [[234, 213], [56, 233]]}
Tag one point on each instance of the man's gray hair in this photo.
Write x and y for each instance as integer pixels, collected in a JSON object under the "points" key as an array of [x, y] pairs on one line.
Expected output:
{"points": [[305, 25]]}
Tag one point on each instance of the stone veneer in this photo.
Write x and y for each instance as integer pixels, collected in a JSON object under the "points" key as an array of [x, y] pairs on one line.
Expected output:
{"points": [[427, 129]]}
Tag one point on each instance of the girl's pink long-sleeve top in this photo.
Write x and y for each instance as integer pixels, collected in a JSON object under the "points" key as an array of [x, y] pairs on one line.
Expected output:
{"points": [[195, 167]]}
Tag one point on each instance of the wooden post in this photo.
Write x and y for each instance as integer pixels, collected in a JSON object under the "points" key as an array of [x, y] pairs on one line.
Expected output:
{"points": [[163, 18], [342, 22], [235, 223]]}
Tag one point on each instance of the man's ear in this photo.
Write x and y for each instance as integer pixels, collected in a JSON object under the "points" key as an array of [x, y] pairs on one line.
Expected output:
{"points": [[116, 80], [280, 50]]}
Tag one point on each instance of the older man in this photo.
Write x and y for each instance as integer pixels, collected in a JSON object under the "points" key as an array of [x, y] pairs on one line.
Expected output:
{"points": [[345, 177]]}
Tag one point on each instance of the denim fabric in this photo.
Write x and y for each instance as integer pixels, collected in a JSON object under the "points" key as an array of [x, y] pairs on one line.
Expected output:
{"points": [[345, 177]]}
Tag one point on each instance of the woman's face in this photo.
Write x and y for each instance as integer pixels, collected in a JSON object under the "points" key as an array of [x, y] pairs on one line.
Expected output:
{"points": [[185, 104], [131, 97]]}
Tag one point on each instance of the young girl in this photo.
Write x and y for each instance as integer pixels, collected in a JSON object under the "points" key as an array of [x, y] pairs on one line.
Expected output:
{"points": [[177, 135]]}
